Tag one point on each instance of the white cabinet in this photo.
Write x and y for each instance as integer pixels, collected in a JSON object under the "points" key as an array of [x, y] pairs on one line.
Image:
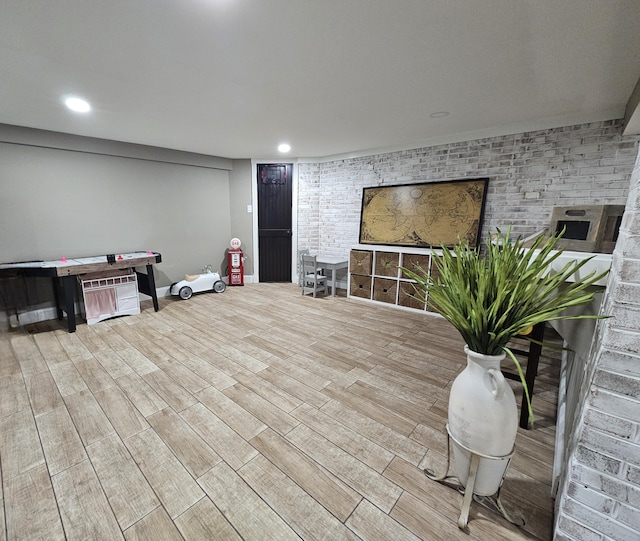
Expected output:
{"points": [[375, 274], [110, 295]]}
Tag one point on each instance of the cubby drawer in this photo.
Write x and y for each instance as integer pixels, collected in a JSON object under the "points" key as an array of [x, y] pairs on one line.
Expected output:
{"points": [[361, 262], [385, 290], [413, 262], [387, 264], [407, 296], [360, 286]]}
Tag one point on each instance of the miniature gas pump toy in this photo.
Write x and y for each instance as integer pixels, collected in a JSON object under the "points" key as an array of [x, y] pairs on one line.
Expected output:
{"points": [[235, 262]]}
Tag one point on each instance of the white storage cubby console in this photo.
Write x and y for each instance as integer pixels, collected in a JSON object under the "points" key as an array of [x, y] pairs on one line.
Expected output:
{"points": [[108, 295], [375, 274]]}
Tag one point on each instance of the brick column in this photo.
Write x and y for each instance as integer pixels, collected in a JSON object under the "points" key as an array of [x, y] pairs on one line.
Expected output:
{"points": [[600, 495]]}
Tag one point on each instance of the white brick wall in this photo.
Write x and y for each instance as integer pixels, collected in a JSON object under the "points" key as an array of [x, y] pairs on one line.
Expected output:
{"points": [[529, 173], [600, 498], [308, 208]]}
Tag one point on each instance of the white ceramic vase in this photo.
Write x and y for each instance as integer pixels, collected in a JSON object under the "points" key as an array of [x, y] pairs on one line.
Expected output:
{"points": [[483, 418]]}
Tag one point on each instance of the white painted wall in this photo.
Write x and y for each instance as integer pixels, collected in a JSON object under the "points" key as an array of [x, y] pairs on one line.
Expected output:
{"points": [[57, 202]]}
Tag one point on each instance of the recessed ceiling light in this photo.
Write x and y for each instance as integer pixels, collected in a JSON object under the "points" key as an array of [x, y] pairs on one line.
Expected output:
{"points": [[439, 114], [284, 147], [77, 104]]}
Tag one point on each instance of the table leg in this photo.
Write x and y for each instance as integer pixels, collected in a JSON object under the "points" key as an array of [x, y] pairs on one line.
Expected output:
{"points": [[152, 287], [56, 296], [333, 282], [535, 350], [147, 284], [68, 291]]}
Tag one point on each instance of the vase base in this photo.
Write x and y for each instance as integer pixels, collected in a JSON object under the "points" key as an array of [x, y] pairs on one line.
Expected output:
{"points": [[491, 502]]}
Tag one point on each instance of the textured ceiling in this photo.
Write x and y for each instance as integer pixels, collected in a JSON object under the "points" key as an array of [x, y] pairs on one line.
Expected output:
{"points": [[234, 78]]}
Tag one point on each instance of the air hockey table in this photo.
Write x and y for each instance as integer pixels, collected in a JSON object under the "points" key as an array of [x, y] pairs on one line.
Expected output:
{"points": [[64, 274]]}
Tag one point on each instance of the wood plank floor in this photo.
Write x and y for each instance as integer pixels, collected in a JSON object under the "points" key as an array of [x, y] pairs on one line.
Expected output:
{"points": [[255, 414]]}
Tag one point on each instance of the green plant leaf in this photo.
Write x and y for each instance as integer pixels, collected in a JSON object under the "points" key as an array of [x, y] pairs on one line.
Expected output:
{"points": [[492, 298]]}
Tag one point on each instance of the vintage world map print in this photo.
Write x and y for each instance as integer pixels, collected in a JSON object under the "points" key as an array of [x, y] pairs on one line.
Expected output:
{"points": [[425, 215]]}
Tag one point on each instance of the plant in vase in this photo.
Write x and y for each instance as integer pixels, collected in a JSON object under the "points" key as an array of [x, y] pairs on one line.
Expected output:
{"points": [[490, 298]]}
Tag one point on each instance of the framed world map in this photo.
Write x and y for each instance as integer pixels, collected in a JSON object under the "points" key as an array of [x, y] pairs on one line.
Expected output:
{"points": [[427, 215]]}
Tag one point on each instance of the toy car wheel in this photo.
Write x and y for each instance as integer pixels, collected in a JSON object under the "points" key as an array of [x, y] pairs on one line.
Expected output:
{"points": [[185, 293], [219, 286]]}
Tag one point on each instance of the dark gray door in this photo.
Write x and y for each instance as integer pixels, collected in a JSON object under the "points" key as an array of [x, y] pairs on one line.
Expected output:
{"points": [[274, 221]]}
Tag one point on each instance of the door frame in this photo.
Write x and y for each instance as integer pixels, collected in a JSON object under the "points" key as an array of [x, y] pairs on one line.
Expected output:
{"points": [[294, 216]]}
